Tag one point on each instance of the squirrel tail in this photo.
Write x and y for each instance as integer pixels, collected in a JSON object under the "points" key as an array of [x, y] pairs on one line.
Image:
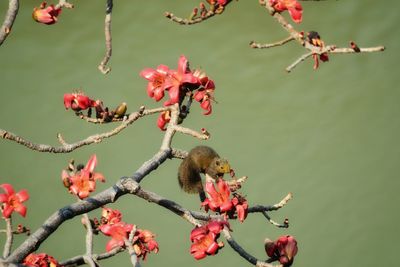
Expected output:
{"points": [[189, 177]]}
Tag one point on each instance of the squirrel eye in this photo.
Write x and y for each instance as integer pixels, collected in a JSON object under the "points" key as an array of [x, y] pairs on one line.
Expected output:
{"points": [[217, 162]]}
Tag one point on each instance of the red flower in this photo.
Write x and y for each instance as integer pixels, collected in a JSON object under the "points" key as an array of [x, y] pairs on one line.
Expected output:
{"points": [[118, 232], [204, 239], [12, 201], [78, 101], [46, 15], [40, 260], [83, 182], [110, 216], [156, 78], [177, 78], [205, 92], [144, 243], [218, 200], [294, 8], [284, 249]]}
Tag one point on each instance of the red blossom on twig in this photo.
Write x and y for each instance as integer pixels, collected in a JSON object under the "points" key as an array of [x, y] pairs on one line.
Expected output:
{"points": [[283, 249], [11, 201], [83, 182], [204, 239], [178, 84], [40, 260], [221, 201], [118, 232], [46, 15], [292, 6], [156, 78], [78, 101]]}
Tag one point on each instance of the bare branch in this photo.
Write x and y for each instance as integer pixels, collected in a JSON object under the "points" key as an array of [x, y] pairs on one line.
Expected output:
{"points": [[279, 43], [10, 237], [5, 30], [299, 37], [66, 148], [108, 39], [183, 21]]}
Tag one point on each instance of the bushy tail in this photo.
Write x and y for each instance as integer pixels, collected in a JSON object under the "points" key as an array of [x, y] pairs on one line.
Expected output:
{"points": [[189, 177]]}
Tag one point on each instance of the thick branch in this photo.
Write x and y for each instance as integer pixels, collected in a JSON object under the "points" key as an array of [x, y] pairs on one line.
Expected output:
{"points": [[13, 6]]}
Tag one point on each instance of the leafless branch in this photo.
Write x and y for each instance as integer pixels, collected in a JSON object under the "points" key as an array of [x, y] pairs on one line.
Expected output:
{"points": [[299, 37], [108, 39], [9, 239], [5, 30], [66, 148], [279, 43]]}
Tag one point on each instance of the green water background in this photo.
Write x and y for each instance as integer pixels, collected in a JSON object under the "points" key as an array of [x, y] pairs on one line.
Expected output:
{"points": [[329, 136]]}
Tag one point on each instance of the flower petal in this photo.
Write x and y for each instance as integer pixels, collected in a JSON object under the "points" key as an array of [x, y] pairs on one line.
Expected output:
{"points": [[22, 195], [8, 189]]}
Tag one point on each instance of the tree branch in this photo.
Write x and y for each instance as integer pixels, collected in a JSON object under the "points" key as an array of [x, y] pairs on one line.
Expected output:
{"points": [[66, 148], [108, 39], [5, 30]]}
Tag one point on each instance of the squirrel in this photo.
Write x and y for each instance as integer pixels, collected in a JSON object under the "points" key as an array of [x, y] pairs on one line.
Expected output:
{"points": [[201, 159]]}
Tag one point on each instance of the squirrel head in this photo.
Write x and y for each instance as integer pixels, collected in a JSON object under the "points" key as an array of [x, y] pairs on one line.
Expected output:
{"points": [[220, 166]]}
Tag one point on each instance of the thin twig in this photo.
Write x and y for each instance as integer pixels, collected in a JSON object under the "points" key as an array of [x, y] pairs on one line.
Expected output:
{"points": [[183, 21], [279, 43], [108, 39], [5, 30], [10, 238], [191, 132], [89, 235]]}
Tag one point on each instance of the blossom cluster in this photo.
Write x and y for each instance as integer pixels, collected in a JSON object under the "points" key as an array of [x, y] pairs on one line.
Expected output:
{"points": [[204, 239], [178, 83], [111, 224], [220, 201], [78, 102]]}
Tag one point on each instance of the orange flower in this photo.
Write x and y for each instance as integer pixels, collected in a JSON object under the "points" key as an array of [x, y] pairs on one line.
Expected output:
{"points": [[83, 182], [46, 15], [283, 249]]}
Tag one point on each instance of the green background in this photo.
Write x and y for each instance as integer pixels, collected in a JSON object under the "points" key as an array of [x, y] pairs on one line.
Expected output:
{"points": [[329, 136]]}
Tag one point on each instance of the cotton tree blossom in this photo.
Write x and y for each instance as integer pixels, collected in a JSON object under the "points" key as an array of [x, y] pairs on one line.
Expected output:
{"points": [[219, 200], [83, 182], [46, 15], [292, 6], [284, 249], [204, 239], [11, 201]]}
